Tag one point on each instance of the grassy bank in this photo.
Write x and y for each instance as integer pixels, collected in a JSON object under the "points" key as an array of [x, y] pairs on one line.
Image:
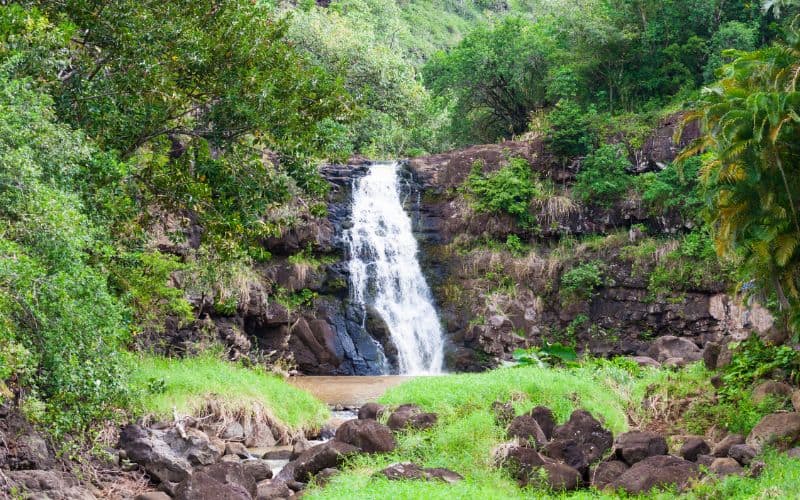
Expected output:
{"points": [[187, 385], [467, 432]]}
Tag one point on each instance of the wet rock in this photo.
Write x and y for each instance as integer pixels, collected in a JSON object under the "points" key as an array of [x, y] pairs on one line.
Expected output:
{"points": [[693, 447], [725, 467], [503, 412], [259, 470], [781, 430], [633, 447], [670, 347], [371, 411], [593, 439], [607, 472], [568, 452], [219, 481], [299, 447], [742, 453], [525, 427], [410, 471], [323, 456], [546, 420], [411, 417], [771, 388], [722, 448], [368, 435], [659, 471]]}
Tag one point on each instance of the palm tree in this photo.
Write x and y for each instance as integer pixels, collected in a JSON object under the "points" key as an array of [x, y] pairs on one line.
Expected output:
{"points": [[751, 124]]}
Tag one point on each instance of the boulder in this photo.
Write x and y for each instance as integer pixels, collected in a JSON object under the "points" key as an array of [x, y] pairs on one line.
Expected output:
{"points": [[370, 411], [520, 461], [368, 435], [325, 475], [781, 430], [568, 452], [633, 447], [259, 470], [607, 472], [793, 453], [28, 450], [693, 447], [771, 388], [152, 495], [299, 447], [269, 490], [742, 453], [525, 427], [410, 471], [711, 355], [796, 400], [646, 361], [166, 455], [546, 420], [725, 467], [657, 472], [203, 486], [310, 462], [670, 347], [674, 363], [588, 432], [557, 477], [236, 448], [411, 417], [234, 431], [722, 448], [705, 460], [43, 484]]}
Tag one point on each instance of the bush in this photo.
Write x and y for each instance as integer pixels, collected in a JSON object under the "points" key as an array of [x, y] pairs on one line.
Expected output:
{"points": [[569, 134], [582, 281], [510, 189], [603, 178]]}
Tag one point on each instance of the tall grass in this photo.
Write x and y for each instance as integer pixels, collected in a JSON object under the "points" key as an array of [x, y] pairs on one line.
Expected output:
{"points": [[189, 385]]}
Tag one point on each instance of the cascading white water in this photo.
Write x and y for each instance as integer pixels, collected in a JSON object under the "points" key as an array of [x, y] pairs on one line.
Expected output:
{"points": [[386, 274]]}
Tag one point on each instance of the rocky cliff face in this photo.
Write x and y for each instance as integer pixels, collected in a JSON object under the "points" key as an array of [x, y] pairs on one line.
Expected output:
{"points": [[296, 308]]}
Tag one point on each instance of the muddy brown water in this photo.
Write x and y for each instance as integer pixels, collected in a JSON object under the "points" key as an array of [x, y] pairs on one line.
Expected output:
{"points": [[348, 392]]}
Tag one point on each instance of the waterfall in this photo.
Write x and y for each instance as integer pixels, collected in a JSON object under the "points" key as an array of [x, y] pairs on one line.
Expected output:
{"points": [[385, 272]]}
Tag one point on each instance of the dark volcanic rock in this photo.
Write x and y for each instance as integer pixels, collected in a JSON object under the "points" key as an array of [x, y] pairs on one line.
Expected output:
{"points": [[370, 411], [693, 447], [525, 427], [607, 472], [590, 435], [781, 430], [569, 452], [633, 447], [411, 417], [557, 477], [721, 449], [368, 435], [725, 467], [742, 453], [659, 471], [544, 417], [327, 455]]}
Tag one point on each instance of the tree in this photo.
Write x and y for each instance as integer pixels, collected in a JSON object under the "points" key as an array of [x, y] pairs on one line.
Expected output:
{"points": [[496, 76], [751, 126]]}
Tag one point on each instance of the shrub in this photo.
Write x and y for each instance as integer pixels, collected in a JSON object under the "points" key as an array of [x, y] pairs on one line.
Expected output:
{"points": [[510, 190], [603, 179], [582, 281], [569, 133]]}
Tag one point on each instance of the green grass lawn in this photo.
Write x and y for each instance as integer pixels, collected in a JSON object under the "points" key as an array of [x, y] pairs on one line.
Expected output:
{"points": [[187, 384], [467, 432]]}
